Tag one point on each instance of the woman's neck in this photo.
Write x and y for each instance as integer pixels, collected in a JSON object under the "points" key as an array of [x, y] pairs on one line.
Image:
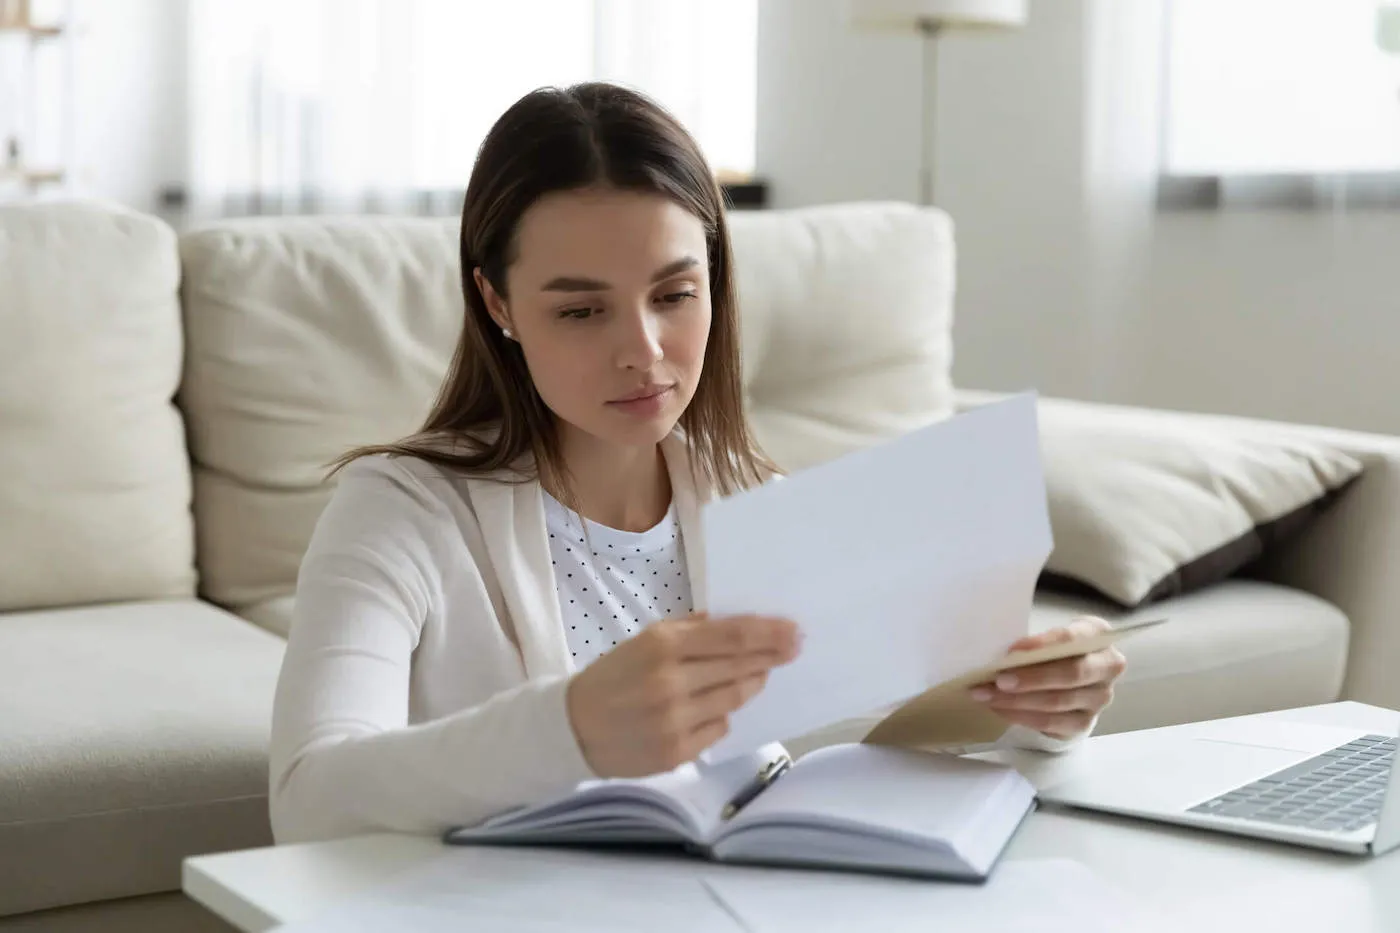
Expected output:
{"points": [[627, 488]]}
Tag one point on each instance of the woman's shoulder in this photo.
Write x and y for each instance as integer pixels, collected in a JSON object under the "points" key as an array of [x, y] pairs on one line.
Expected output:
{"points": [[379, 472], [389, 504], [424, 478], [412, 488]]}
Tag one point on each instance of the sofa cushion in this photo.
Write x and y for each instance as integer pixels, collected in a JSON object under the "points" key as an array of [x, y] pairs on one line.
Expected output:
{"points": [[847, 315], [1141, 511], [1241, 646], [274, 614], [306, 337], [310, 336], [133, 735], [94, 476]]}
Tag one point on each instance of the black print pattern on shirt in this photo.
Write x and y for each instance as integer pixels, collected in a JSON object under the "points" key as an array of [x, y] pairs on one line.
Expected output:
{"points": [[603, 566]]}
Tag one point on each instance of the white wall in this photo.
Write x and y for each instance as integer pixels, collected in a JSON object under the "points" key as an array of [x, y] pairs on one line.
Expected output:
{"points": [[1011, 158], [839, 119], [837, 111], [1283, 315]]}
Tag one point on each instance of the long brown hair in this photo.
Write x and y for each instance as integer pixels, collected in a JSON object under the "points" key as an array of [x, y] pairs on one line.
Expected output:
{"points": [[488, 416]]}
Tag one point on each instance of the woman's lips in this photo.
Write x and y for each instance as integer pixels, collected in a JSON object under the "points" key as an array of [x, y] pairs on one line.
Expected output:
{"points": [[650, 403]]}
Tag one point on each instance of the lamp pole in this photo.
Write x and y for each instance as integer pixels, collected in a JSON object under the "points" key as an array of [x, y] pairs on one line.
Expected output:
{"points": [[928, 30]]}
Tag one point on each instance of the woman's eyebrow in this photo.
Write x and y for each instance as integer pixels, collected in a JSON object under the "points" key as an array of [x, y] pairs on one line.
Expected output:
{"points": [[674, 268], [578, 283], [573, 283]]}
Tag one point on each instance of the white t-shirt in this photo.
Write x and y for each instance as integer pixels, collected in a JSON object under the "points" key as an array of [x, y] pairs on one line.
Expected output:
{"points": [[613, 583]]}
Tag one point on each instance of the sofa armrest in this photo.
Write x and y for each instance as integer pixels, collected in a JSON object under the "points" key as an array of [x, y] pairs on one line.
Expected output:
{"points": [[1347, 556]]}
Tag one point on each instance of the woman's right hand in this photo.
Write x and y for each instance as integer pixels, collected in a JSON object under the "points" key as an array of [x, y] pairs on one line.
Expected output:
{"points": [[663, 696]]}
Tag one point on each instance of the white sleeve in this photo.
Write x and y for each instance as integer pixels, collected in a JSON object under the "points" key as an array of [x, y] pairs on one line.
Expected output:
{"points": [[1021, 737], [344, 759]]}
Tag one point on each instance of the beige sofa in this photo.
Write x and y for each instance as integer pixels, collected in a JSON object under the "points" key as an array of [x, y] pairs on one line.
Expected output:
{"points": [[168, 404]]}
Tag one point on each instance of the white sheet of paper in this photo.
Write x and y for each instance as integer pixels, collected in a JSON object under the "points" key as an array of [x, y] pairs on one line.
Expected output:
{"points": [[523, 890], [1023, 896], [903, 564]]}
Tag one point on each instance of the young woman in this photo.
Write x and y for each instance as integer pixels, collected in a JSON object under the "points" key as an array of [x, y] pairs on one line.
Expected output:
{"points": [[505, 604]]}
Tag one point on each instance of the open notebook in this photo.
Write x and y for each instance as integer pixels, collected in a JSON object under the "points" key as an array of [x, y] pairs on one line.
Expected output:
{"points": [[893, 803], [857, 807]]}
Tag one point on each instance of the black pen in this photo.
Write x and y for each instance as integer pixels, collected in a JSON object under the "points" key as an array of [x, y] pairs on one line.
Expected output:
{"points": [[770, 773]]}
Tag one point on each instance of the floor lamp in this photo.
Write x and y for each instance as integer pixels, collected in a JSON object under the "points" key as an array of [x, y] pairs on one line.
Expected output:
{"points": [[930, 18]]}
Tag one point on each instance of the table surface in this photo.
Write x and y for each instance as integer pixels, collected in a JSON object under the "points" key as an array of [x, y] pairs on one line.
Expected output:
{"points": [[1195, 880]]}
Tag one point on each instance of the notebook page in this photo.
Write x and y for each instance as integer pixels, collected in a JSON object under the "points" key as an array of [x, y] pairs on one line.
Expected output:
{"points": [[686, 800], [702, 788], [896, 791]]}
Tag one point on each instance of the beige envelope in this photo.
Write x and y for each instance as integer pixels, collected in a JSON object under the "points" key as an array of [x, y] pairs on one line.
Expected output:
{"points": [[945, 716]]}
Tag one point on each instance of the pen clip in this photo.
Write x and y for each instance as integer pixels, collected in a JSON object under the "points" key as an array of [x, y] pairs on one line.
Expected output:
{"points": [[765, 777], [770, 771]]}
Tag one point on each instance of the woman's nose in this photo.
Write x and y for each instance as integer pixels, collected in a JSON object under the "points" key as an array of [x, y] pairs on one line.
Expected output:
{"points": [[639, 343]]}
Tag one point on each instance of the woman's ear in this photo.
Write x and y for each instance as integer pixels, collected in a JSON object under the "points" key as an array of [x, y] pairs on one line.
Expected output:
{"points": [[495, 305]]}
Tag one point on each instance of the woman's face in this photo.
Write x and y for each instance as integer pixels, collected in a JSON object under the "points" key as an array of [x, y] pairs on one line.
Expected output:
{"points": [[609, 298]]}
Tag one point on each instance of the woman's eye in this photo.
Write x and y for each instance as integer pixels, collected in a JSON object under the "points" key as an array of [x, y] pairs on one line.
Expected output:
{"points": [[577, 314], [676, 298]]}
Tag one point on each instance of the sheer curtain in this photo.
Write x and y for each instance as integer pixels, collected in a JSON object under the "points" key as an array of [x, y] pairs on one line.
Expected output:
{"points": [[1123, 146], [379, 106], [1283, 104]]}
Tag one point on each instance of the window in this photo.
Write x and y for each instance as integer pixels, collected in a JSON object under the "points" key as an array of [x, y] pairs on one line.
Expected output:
{"points": [[1282, 87], [371, 104]]}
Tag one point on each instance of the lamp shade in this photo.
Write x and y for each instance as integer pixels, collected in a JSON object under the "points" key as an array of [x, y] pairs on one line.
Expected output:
{"points": [[913, 14]]}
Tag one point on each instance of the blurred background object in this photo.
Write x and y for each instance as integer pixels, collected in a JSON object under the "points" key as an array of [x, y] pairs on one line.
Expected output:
{"points": [[929, 19], [36, 118]]}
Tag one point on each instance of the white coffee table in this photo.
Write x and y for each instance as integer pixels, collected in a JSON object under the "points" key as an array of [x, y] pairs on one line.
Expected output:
{"points": [[1190, 880]]}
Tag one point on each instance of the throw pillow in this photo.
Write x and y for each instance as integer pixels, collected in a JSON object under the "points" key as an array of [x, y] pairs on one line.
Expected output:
{"points": [[1147, 507]]}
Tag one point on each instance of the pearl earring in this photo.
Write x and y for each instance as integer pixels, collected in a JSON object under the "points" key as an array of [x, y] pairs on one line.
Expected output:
{"points": [[505, 332]]}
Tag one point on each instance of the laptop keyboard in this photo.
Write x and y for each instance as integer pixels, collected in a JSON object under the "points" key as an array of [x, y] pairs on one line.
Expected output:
{"points": [[1338, 791]]}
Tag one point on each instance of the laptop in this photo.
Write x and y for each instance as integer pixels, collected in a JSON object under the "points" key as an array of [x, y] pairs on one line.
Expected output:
{"points": [[1320, 786]]}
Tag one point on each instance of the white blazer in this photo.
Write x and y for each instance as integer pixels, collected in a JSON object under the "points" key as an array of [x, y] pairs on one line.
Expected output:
{"points": [[424, 678]]}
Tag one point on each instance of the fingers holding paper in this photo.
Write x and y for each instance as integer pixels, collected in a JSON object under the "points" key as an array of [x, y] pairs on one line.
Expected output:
{"points": [[1058, 698], [661, 698]]}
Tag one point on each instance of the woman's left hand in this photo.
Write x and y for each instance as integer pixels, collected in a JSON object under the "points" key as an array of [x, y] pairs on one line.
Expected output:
{"points": [[1059, 698]]}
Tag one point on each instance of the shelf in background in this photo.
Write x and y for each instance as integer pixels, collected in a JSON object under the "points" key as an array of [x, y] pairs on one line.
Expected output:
{"points": [[747, 194], [32, 176], [33, 30]]}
